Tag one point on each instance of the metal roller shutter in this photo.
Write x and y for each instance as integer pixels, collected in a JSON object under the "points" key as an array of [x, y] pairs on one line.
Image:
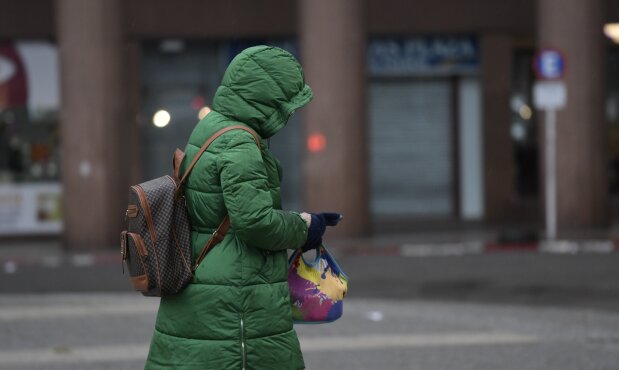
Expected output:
{"points": [[411, 148]]}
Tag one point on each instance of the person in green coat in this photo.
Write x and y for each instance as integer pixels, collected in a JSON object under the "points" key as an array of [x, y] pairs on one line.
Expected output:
{"points": [[236, 313]]}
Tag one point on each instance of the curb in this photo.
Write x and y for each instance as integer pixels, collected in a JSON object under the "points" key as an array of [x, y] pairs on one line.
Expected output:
{"points": [[9, 264], [569, 247]]}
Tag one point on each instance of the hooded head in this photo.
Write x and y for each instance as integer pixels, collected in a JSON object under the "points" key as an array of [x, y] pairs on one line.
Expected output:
{"points": [[262, 87]]}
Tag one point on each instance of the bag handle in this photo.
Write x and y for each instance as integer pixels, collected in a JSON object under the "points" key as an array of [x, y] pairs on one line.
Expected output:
{"points": [[221, 231]]}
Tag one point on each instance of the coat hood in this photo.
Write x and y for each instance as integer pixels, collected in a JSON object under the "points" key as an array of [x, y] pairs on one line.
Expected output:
{"points": [[261, 88]]}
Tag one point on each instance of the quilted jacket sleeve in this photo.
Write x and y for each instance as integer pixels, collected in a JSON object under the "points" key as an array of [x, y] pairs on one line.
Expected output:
{"points": [[248, 200]]}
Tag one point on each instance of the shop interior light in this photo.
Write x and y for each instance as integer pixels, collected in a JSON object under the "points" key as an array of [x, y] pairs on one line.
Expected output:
{"points": [[316, 143], [525, 112], [611, 30], [161, 118], [197, 102], [203, 112], [518, 131]]}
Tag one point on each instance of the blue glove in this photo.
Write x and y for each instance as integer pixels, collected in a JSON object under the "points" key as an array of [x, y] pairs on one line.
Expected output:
{"points": [[317, 228], [331, 218]]}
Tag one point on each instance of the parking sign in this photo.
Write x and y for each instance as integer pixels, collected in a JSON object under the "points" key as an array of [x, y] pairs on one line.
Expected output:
{"points": [[550, 94], [549, 64]]}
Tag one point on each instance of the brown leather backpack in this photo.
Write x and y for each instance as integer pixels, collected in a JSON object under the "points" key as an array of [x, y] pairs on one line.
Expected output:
{"points": [[156, 247]]}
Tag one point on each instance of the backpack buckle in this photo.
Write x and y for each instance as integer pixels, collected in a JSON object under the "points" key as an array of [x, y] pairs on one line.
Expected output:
{"points": [[217, 236]]}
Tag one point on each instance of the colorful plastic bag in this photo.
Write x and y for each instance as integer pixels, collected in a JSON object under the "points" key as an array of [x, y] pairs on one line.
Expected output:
{"points": [[317, 289]]}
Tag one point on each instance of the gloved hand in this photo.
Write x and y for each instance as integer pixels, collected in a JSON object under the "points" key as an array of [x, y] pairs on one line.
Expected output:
{"points": [[317, 228]]}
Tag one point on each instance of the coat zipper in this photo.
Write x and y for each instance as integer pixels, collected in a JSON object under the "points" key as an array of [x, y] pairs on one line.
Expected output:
{"points": [[243, 344]]}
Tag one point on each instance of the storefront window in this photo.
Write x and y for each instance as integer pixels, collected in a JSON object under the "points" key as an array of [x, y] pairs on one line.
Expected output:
{"points": [[29, 101], [30, 191], [179, 79], [523, 127], [423, 97], [524, 121], [612, 115]]}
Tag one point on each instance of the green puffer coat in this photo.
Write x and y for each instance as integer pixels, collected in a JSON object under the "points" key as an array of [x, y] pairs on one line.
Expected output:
{"points": [[236, 313]]}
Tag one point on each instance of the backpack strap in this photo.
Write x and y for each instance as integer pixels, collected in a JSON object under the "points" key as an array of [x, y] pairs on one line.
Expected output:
{"points": [[210, 140], [215, 239], [221, 231], [177, 159]]}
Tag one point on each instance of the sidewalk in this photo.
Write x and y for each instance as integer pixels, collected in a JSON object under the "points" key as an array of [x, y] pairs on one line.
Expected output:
{"points": [[418, 243], [463, 266]]}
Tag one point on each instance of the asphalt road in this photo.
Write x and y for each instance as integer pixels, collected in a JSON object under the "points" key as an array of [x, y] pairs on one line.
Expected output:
{"points": [[489, 311], [580, 280], [112, 331]]}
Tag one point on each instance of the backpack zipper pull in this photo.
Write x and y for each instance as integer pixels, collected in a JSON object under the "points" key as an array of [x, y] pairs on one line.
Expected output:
{"points": [[123, 250]]}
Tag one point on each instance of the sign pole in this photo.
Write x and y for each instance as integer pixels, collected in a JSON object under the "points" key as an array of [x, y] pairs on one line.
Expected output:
{"points": [[551, 175], [550, 94]]}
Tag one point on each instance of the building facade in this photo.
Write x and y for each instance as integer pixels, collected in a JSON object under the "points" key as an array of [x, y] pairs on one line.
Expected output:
{"points": [[422, 111]]}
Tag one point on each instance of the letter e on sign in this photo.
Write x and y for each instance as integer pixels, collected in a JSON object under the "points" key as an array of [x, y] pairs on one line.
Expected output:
{"points": [[549, 64]]}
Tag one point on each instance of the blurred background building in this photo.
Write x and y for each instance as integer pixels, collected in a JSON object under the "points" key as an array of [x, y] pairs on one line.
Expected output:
{"points": [[422, 113]]}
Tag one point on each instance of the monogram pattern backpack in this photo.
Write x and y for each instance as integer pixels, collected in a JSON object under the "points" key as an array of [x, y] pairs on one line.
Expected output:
{"points": [[156, 246]]}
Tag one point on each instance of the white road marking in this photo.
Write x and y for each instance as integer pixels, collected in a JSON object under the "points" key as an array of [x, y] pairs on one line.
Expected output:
{"points": [[467, 248], [52, 312], [409, 341], [83, 260], [74, 355], [573, 247], [138, 352], [445, 249]]}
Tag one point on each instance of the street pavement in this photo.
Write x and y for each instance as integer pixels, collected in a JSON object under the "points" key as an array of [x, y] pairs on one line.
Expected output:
{"points": [[112, 330], [589, 280], [508, 310]]}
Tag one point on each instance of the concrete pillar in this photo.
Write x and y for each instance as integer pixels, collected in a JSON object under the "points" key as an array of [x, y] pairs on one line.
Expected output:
{"points": [[91, 120], [132, 135], [498, 152], [575, 28], [333, 54]]}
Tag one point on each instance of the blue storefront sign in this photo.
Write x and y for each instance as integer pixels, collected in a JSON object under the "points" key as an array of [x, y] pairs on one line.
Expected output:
{"points": [[235, 47], [434, 55]]}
